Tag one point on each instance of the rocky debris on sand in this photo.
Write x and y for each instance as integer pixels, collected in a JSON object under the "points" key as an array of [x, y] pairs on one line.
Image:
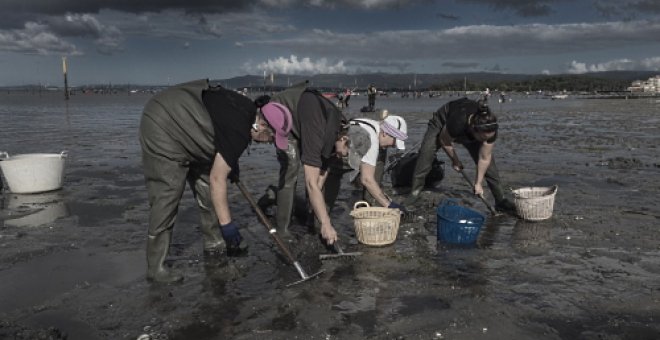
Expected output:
{"points": [[13, 331]]}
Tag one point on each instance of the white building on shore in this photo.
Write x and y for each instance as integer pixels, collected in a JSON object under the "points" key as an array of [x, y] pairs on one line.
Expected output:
{"points": [[650, 85]]}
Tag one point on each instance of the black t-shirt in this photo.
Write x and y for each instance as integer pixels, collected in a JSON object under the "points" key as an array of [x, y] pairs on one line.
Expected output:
{"points": [[457, 114], [232, 115], [319, 122]]}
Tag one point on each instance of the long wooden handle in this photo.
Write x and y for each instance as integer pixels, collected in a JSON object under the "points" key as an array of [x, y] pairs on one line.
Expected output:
{"points": [[492, 211], [264, 220]]}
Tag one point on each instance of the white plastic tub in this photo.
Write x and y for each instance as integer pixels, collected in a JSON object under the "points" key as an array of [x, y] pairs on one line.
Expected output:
{"points": [[33, 172]]}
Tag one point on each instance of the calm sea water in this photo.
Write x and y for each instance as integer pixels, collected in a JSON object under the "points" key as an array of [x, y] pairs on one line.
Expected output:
{"points": [[101, 131]]}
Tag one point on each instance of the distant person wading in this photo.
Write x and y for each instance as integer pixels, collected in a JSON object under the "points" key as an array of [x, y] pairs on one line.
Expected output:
{"points": [[371, 96]]}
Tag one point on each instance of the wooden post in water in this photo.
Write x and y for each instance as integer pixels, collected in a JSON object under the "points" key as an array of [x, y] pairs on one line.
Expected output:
{"points": [[66, 81]]}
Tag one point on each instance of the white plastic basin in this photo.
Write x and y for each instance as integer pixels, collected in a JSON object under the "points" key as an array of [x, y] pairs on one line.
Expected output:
{"points": [[33, 172]]}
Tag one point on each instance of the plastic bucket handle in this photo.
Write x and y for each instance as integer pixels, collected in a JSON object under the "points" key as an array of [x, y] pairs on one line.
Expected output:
{"points": [[4, 155], [64, 154]]}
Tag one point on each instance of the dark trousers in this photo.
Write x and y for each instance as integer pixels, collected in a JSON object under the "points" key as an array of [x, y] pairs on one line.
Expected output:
{"points": [[428, 148], [336, 173]]}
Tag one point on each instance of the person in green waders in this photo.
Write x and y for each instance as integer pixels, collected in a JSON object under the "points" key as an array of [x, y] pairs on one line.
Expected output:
{"points": [[318, 137], [195, 133]]}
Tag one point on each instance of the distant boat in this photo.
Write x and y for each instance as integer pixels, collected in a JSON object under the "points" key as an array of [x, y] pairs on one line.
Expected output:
{"points": [[559, 96]]}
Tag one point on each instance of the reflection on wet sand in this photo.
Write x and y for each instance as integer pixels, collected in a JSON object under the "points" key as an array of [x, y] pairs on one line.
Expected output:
{"points": [[588, 272], [533, 238], [33, 210]]}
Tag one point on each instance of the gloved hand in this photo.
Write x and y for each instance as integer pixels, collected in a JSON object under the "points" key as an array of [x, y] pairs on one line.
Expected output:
{"points": [[394, 205], [232, 237]]}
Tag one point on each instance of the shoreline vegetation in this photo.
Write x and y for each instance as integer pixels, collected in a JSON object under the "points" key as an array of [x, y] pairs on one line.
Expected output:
{"points": [[611, 85]]}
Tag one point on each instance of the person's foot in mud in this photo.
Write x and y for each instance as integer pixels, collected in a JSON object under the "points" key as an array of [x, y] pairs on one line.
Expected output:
{"points": [[506, 206]]}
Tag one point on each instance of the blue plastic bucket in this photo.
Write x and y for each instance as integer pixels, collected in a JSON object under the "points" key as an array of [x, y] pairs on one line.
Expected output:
{"points": [[458, 224]]}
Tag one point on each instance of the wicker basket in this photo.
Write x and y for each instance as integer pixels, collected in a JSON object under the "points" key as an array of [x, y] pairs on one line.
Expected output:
{"points": [[535, 203], [375, 226]]}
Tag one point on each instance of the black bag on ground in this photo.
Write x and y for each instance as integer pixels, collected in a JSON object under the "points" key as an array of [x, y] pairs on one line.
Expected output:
{"points": [[367, 109], [402, 173]]}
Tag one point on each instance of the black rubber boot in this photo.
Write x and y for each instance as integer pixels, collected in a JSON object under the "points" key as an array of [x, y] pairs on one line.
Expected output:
{"points": [[506, 206], [268, 199], [157, 249], [411, 201], [502, 204]]}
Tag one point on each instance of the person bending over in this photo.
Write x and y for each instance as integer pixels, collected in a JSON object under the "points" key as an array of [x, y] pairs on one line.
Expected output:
{"points": [[471, 124], [317, 135], [194, 133], [376, 137]]}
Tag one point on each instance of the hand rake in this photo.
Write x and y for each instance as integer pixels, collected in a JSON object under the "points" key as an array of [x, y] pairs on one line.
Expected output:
{"points": [[273, 232], [339, 254], [490, 208]]}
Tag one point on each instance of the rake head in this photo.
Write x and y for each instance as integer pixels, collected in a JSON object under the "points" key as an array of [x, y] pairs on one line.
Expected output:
{"points": [[339, 254]]}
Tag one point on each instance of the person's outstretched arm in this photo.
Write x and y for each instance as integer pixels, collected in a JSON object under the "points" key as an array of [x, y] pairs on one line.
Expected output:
{"points": [[219, 173], [368, 180], [447, 144], [485, 155], [314, 183]]}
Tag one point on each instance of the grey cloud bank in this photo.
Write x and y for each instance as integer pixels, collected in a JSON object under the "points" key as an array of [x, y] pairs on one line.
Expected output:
{"points": [[174, 41]]}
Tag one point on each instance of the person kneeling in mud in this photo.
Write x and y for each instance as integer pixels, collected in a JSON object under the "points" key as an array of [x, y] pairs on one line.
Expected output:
{"points": [[196, 133], [376, 137], [313, 135], [473, 125]]}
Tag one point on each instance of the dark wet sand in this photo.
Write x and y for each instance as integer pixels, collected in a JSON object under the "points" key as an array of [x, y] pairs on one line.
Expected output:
{"points": [[72, 261]]}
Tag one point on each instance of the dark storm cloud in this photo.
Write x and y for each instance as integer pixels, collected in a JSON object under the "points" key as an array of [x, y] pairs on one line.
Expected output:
{"points": [[524, 8], [57, 7], [459, 42], [647, 6]]}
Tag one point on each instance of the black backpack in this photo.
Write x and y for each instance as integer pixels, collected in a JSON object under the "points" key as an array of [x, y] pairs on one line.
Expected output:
{"points": [[402, 173]]}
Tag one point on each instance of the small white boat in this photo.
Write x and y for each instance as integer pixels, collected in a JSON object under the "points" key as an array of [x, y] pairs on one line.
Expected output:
{"points": [[559, 96]]}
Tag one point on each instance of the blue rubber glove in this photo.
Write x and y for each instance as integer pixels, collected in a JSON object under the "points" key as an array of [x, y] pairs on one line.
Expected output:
{"points": [[394, 205], [231, 235]]}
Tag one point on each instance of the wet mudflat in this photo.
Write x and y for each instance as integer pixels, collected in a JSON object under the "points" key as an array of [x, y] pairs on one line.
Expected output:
{"points": [[72, 262]]}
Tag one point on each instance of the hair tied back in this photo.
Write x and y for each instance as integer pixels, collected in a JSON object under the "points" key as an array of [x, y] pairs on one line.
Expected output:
{"points": [[262, 100]]}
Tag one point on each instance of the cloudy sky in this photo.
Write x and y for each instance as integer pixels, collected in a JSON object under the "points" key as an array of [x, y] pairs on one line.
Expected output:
{"points": [[171, 41]]}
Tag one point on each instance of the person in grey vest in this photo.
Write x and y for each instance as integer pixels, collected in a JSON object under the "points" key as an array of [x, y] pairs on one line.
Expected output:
{"points": [[194, 133], [472, 124], [317, 137], [376, 137]]}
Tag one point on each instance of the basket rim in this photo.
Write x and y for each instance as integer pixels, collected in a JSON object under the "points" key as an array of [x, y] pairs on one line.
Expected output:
{"points": [[367, 207], [550, 191]]}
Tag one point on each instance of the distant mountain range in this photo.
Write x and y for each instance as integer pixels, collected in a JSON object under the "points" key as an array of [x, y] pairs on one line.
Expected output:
{"points": [[416, 81], [399, 82]]}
